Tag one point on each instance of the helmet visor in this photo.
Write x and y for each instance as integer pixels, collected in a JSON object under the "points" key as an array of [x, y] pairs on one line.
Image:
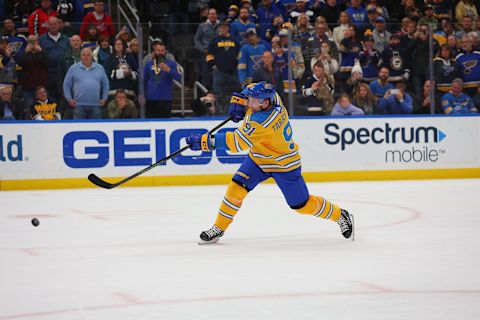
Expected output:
{"points": [[254, 102]]}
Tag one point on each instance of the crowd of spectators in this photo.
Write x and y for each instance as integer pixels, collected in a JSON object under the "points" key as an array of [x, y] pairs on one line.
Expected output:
{"points": [[66, 59]]}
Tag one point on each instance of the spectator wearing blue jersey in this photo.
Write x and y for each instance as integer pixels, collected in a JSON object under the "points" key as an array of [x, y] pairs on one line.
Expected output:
{"points": [[456, 102], [444, 69], [250, 57], [204, 35], [159, 74], [358, 14], [468, 63], [380, 86], [301, 6], [266, 12], [395, 101], [369, 59], [240, 26]]}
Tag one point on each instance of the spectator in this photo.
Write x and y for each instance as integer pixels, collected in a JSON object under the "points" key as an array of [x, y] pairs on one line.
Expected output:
{"points": [[343, 107], [20, 12], [456, 102], [396, 101], [381, 36], [395, 59], [17, 41], [364, 99], [9, 110], [134, 51], [330, 64], [330, 10], [54, 44], [34, 69], [428, 18], [241, 25], [43, 108], [301, 7], [303, 29], [452, 43], [319, 89], [65, 10], [476, 99], [157, 43], [268, 71], [159, 74], [232, 13], [39, 20], [125, 35], [381, 86], [423, 105], [274, 28], [204, 106], [369, 58], [446, 29], [358, 14], [120, 70], [465, 8], [86, 87], [222, 59], [91, 38], [281, 63], [349, 48], [204, 35], [410, 10], [373, 14], [445, 69], [313, 44], [266, 12], [249, 57], [121, 107], [8, 65], [468, 63], [103, 50], [466, 27], [299, 65], [441, 9], [72, 54], [339, 32], [100, 19]]}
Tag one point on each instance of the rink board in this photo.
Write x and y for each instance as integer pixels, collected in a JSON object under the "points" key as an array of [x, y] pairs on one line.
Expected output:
{"points": [[42, 155]]}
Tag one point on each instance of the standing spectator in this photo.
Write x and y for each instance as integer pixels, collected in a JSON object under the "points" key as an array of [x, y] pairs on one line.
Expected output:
{"points": [[86, 87], [17, 41], [319, 89], [445, 69], [103, 50], [54, 44], [345, 108], [8, 65], [134, 51], [358, 14], [38, 22], [369, 58], [428, 18], [157, 45], [100, 19], [249, 57], [468, 63], [395, 59], [465, 8], [281, 63], [34, 69], [268, 71], [120, 70], [43, 108], [410, 10], [330, 10], [252, 13], [466, 27], [423, 105], [91, 38], [299, 65], [381, 36], [301, 6], [441, 9], [121, 107], [72, 54], [341, 29], [266, 12], [303, 29], [446, 29], [330, 64], [9, 110], [456, 102], [396, 101], [364, 99], [381, 86], [349, 48], [204, 35], [241, 25], [222, 60], [159, 74], [313, 44]]}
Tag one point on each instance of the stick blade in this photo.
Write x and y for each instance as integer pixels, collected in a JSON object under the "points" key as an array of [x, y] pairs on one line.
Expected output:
{"points": [[99, 182]]}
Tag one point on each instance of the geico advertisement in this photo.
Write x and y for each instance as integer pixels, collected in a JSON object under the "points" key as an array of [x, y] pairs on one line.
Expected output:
{"points": [[75, 149]]}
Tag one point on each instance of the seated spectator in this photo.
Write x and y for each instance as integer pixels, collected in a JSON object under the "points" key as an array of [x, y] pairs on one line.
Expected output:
{"points": [[8, 65], [91, 37], [339, 31], [100, 19], [204, 106], [311, 47], [103, 50], [380, 86], [468, 63], [466, 27], [319, 89], [299, 65], [303, 29], [395, 101], [424, 104], [268, 71], [301, 8], [364, 99], [330, 64], [43, 108], [125, 35], [444, 69], [343, 107], [330, 9], [38, 20], [121, 107], [465, 8], [9, 110], [134, 51], [446, 29], [33, 62], [428, 18], [369, 58], [411, 11], [456, 102], [232, 14], [358, 14]]}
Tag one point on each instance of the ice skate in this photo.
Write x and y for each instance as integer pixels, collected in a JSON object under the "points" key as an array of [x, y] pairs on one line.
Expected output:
{"points": [[346, 224], [211, 235]]}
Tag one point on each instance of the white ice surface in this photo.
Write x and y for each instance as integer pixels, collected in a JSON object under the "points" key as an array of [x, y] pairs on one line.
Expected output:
{"points": [[132, 253]]}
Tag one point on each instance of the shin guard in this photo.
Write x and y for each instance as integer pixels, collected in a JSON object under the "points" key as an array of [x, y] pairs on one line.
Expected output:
{"points": [[320, 207], [230, 205]]}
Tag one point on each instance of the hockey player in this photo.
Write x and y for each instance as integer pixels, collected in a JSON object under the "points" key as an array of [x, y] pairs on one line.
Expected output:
{"points": [[267, 132]]}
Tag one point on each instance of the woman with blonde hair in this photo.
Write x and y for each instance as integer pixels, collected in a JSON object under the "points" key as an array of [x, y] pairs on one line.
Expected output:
{"points": [[325, 56], [339, 32], [364, 99], [303, 29]]}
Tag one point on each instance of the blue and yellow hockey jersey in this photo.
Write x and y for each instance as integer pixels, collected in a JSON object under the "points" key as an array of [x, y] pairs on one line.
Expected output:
{"points": [[269, 137]]}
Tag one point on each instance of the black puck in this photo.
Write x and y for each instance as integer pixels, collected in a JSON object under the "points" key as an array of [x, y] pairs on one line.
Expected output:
{"points": [[35, 222]]}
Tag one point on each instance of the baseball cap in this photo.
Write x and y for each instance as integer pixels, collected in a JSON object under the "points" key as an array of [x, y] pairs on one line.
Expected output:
{"points": [[380, 19], [250, 31], [428, 7], [233, 7], [157, 40]]}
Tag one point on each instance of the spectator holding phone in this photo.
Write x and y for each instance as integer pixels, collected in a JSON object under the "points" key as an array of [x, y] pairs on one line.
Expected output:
{"points": [[396, 101]]}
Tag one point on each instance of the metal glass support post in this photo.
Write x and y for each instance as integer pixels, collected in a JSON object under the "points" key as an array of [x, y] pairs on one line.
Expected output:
{"points": [[430, 69], [141, 89], [290, 73]]}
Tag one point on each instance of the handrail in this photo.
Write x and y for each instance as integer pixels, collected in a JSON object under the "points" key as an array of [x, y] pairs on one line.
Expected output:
{"points": [[181, 86], [120, 10], [197, 85]]}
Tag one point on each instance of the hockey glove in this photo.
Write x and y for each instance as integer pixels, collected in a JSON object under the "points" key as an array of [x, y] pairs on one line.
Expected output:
{"points": [[202, 142], [237, 109]]}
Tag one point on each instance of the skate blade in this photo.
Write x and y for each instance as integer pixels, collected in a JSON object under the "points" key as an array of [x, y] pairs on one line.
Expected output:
{"points": [[201, 242], [352, 236]]}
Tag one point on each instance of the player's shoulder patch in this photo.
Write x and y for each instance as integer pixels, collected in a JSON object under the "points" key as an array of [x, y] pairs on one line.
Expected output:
{"points": [[261, 116]]}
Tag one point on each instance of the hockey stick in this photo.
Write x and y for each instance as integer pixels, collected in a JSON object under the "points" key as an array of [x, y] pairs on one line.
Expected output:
{"points": [[106, 185]]}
